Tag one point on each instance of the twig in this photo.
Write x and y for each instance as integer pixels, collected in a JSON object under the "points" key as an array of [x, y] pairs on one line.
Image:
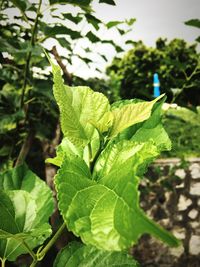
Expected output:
{"points": [[25, 149], [26, 71], [68, 76]]}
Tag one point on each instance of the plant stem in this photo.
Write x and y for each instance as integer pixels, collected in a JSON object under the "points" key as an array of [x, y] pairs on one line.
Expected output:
{"points": [[26, 71], [34, 263], [43, 252], [33, 255], [3, 262]]}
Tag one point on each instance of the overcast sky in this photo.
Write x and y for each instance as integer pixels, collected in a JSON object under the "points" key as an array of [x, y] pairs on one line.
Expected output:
{"points": [[155, 18]]}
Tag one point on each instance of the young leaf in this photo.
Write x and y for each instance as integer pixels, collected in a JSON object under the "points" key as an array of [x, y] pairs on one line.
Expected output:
{"points": [[82, 110], [78, 255], [19, 224], [104, 213], [151, 129], [130, 114], [111, 24], [115, 156]]}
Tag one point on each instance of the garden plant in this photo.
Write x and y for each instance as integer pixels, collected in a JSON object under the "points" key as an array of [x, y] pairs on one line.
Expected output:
{"points": [[103, 155]]}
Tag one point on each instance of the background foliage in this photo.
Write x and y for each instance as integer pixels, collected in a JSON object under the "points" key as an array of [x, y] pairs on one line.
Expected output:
{"points": [[176, 62]]}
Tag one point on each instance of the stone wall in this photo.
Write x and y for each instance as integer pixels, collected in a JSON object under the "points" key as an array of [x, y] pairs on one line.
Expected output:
{"points": [[170, 193]]}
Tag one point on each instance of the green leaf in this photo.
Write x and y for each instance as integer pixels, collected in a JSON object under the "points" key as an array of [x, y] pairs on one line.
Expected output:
{"points": [[111, 24], [116, 156], [109, 2], [93, 20], [92, 37], [185, 114], [82, 110], [78, 255], [73, 2], [131, 21], [198, 39], [21, 178], [104, 213], [152, 130], [21, 4], [69, 16], [65, 148], [9, 122], [19, 224], [193, 22], [55, 30], [130, 114]]}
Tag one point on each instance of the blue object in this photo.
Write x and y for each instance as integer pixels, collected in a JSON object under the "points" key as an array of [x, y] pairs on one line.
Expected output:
{"points": [[156, 85]]}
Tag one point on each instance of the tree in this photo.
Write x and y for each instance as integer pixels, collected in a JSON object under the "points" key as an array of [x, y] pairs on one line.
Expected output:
{"points": [[176, 62], [25, 95]]}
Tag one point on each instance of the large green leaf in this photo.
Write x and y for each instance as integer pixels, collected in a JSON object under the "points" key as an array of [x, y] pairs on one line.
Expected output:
{"points": [[151, 129], [78, 255], [104, 213], [19, 224], [26, 205], [130, 114], [21, 178], [117, 156], [82, 110]]}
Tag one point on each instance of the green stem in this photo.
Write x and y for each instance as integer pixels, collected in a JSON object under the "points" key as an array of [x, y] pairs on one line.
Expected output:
{"points": [[26, 71], [43, 252], [30, 251], [34, 263], [3, 262]]}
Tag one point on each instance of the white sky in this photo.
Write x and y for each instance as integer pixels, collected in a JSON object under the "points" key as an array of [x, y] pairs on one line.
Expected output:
{"points": [[155, 18]]}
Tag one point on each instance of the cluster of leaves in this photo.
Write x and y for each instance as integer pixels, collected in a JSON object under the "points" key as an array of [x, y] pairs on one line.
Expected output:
{"points": [[176, 62], [183, 127], [105, 151], [26, 98], [102, 157]]}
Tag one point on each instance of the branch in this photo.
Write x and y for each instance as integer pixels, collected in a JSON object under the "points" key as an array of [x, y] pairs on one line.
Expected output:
{"points": [[25, 148], [68, 76]]}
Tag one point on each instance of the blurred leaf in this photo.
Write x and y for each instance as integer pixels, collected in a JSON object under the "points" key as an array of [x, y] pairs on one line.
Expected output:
{"points": [[53, 31], [64, 43], [198, 39], [111, 24], [109, 2], [92, 37], [131, 21], [76, 19], [73, 2], [193, 22], [5, 150], [21, 4], [93, 20], [9, 122]]}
